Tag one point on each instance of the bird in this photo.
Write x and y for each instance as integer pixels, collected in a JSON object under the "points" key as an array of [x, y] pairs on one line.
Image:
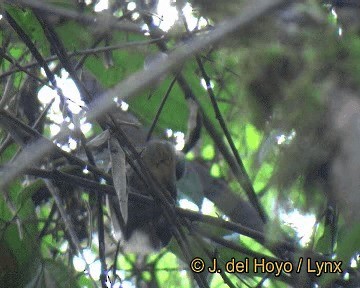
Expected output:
{"points": [[147, 229]]}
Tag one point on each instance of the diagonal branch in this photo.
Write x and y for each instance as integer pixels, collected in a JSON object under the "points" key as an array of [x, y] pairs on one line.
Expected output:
{"points": [[244, 179]]}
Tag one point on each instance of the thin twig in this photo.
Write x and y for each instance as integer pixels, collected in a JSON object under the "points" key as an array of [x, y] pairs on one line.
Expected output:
{"points": [[115, 262], [236, 247], [36, 151], [85, 52], [35, 126], [22, 69], [162, 104], [59, 49], [34, 51], [232, 226], [48, 221], [6, 95], [245, 179], [67, 222]]}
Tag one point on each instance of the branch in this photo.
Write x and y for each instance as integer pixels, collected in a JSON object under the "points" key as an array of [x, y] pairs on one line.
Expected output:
{"points": [[99, 20]]}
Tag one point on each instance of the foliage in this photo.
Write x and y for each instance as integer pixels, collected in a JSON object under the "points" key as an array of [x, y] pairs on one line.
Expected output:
{"points": [[268, 110]]}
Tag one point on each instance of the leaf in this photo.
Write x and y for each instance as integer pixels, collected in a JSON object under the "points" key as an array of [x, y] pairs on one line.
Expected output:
{"points": [[349, 242], [174, 114], [253, 137], [52, 274], [73, 41], [99, 140], [18, 237], [30, 190], [9, 269], [125, 63], [348, 245], [28, 22], [118, 168]]}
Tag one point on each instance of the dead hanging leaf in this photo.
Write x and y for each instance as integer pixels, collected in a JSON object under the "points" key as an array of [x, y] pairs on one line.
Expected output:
{"points": [[118, 168], [99, 140]]}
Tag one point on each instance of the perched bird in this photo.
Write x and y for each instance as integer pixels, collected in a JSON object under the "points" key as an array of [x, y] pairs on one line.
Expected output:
{"points": [[146, 228]]}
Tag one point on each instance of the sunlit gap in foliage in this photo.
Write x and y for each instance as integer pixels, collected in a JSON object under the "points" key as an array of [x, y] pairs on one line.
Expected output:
{"points": [[207, 207], [121, 104], [90, 259], [131, 7], [302, 224], [167, 17], [285, 139], [354, 260], [353, 264], [73, 103], [187, 204], [100, 6], [335, 16], [203, 84], [179, 138]]}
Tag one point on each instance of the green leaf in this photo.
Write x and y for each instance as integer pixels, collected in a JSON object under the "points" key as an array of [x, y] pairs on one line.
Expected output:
{"points": [[253, 137], [215, 170], [8, 153], [174, 114], [74, 36], [28, 22], [125, 63], [208, 152], [52, 274]]}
